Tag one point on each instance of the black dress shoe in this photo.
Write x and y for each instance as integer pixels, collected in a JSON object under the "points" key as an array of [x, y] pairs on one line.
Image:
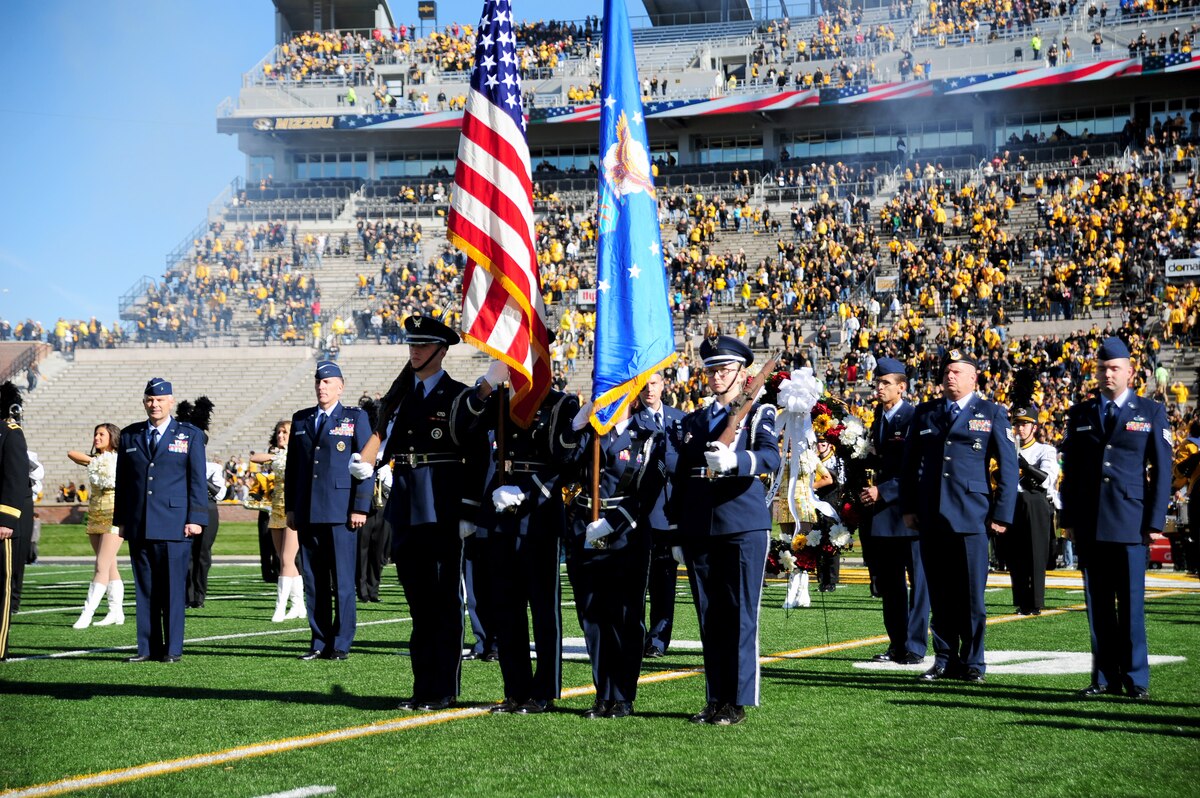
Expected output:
{"points": [[705, 715], [653, 652], [374, 599], [598, 709], [311, 654], [884, 656], [490, 656], [728, 715], [172, 658], [505, 706], [1137, 693], [339, 655], [974, 676], [908, 658], [1094, 690], [435, 705], [470, 656], [620, 709], [933, 674], [408, 705], [139, 658], [534, 706]]}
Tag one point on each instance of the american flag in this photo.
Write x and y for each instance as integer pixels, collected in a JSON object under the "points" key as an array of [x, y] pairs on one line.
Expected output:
{"points": [[491, 218]]}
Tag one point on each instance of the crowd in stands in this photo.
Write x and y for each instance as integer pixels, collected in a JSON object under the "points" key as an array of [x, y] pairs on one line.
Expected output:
{"points": [[66, 335]]}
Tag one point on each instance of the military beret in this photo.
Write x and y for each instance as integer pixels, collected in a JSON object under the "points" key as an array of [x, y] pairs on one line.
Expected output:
{"points": [[158, 387], [889, 365], [327, 368], [428, 330], [1112, 349], [722, 349]]}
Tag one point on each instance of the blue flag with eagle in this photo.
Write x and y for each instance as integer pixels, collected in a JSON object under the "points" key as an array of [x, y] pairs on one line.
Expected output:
{"points": [[634, 333]]}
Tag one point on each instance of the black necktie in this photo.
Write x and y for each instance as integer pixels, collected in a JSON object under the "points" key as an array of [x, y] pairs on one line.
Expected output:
{"points": [[319, 424], [954, 408], [1110, 417], [420, 390], [658, 421]]}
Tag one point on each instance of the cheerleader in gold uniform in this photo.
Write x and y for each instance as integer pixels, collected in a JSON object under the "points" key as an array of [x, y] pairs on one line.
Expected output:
{"points": [[287, 543], [102, 479]]}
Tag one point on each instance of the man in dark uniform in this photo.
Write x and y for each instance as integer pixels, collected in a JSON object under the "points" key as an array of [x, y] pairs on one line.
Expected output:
{"points": [[327, 507], [426, 435], [1028, 544], [14, 493], [1116, 460], [892, 550], [945, 494], [161, 503], [375, 537], [664, 420], [22, 540], [720, 505], [525, 523]]}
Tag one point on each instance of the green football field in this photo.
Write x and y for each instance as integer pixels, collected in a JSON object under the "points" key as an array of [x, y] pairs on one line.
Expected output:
{"points": [[241, 716]]}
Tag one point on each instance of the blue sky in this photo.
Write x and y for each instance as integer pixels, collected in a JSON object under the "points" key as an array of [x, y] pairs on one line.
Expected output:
{"points": [[110, 152]]}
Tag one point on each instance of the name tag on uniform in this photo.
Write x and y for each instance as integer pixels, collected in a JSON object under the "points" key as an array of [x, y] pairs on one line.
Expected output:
{"points": [[926, 432], [979, 425], [127, 451], [1083, 429]]}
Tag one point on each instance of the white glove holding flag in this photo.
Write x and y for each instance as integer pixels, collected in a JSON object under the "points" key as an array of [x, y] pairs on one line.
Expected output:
{"points": [[359, 469], [466, 529], [581, 418], [507, 496], [597, 529], [496, 373], [721, 458]]}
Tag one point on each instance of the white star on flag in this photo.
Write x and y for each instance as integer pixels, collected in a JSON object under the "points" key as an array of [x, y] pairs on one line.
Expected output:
{"points": [[635, 271], [610, 101], [654, 248], [603, 285], [637, 117]]}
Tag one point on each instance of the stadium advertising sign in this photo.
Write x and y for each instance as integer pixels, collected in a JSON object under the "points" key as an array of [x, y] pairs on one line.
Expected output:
{"points": [[887, 283], [1183, 267], [427, 9], [585, 296], [295, 123]]}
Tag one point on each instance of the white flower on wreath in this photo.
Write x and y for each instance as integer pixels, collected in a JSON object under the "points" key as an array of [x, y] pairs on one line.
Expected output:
{"points": [[854, 437], [839, 536], [815, 537], [102, 471]]}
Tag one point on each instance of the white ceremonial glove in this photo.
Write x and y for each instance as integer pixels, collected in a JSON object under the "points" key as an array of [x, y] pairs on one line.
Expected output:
{"points": [[581, 418], [721, 458], [597, 529], [359, 469], [677, 553], [496, 373], [466, 529], [384, 475], [507, 496]]}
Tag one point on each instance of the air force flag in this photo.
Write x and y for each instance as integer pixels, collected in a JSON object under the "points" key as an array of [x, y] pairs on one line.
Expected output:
{"points": [[634, 333]]}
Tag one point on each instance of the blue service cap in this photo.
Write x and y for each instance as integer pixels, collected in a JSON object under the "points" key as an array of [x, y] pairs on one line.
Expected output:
{"points": [[158, 387], [722, 349], [428, 330], [890, 365], [1112, 349], [327, 368], [959, 356]]}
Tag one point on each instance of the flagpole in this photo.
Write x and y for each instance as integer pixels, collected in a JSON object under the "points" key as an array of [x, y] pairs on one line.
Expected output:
{"points": [[595, 476], [501, 456]]}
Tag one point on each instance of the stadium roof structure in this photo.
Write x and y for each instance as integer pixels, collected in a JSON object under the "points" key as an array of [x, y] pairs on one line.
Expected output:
{"points": [[293, 16], [691, 12]]}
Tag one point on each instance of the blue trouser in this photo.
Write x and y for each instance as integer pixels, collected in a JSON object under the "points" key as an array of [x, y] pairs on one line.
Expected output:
{"points": [[726, 572], [956, 570], [480, 600], [610, 600], [664, 578], [429, 563], [900, 582], [1114, 582], [160, 582], [526, 586], [328, 559]]}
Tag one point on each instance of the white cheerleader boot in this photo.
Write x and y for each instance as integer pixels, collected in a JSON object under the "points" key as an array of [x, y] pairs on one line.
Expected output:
{"points": [[282, 591], [116, 608], [804, 600], [95, 593], [298, 609]]}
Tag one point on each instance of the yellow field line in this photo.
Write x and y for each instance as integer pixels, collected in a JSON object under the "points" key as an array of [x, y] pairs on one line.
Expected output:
{"points": [[164, 767]]}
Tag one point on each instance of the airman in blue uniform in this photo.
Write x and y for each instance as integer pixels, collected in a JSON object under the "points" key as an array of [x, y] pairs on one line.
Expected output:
{"points": [[327, 507], [525, 523], [945, 494], [663, 420], [891, 549], [161, 502], [1116, 466], [720, 506], [608, 559], [430, 439]]}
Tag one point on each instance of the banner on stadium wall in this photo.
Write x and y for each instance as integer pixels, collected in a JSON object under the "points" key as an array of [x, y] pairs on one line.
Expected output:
{"points": [[1183, 267], [887, 283], [585, 296]]}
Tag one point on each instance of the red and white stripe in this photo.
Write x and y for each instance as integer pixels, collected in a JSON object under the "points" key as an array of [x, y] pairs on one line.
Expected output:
{"points": [[491, 220]]}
